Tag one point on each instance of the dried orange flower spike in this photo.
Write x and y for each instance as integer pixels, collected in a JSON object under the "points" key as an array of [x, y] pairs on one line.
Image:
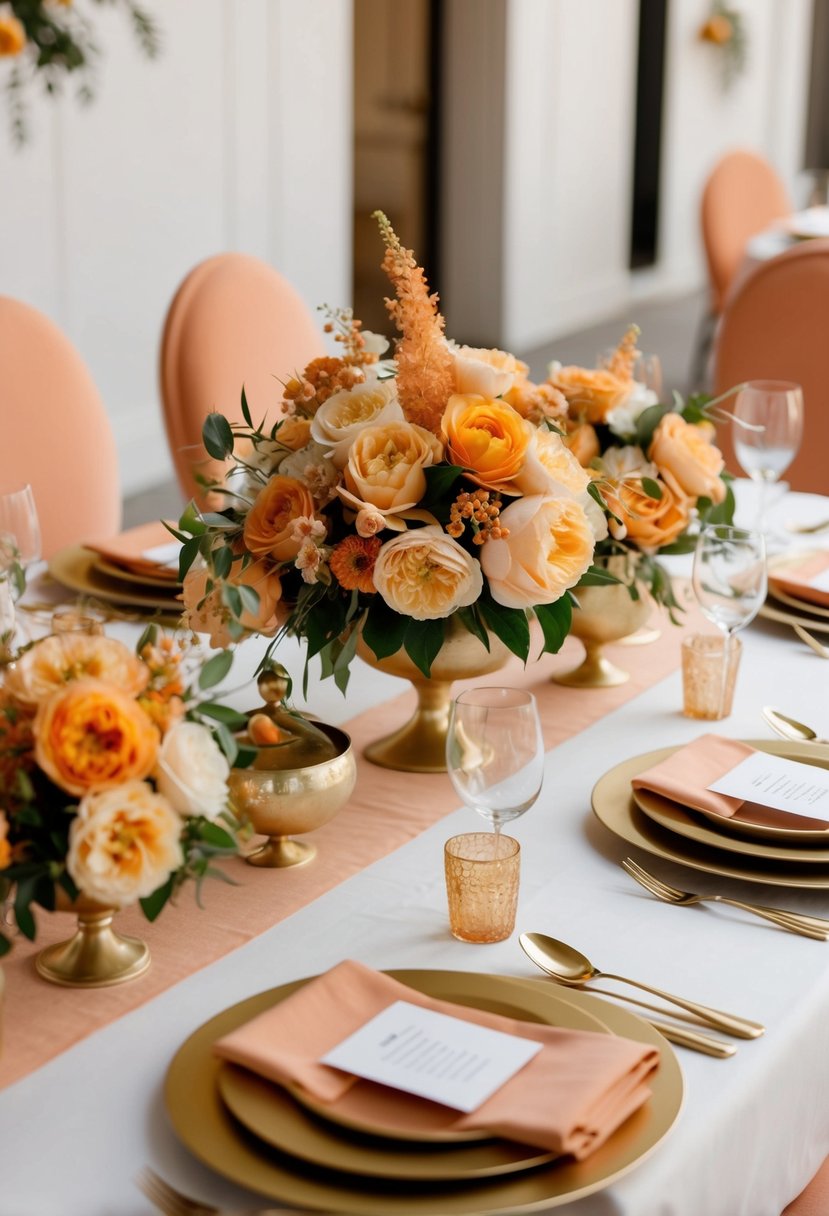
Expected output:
{"points": [[625, 355]]}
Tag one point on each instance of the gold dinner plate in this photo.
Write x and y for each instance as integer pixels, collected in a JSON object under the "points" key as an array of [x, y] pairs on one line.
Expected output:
{"points": [[203, 1123], [167, 585], [76, 568], [614, 806]]}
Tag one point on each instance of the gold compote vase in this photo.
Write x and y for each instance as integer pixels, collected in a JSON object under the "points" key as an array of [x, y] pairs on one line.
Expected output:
{"points": [[96, 956], [419, 746], [606, 614]]}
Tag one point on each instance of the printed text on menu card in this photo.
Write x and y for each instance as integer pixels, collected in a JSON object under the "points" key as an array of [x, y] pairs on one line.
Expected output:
{"points": [[783, 785]]}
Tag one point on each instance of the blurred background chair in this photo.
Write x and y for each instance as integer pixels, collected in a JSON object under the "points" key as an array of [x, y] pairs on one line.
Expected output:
{"points": [[233, 321], [775, 327], [742, 196], [814, 1200], [56, 433]]}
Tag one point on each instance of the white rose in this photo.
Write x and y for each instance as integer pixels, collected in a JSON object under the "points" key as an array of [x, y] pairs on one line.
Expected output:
{"points": [[622, 418], [192, 772], [620, 464], [339, 420], [374, 344], [485, 373], [124, 843], [550, 466]]}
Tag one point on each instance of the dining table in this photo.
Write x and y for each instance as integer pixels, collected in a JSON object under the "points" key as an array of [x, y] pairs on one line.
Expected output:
{"points": [[82, 1110]]}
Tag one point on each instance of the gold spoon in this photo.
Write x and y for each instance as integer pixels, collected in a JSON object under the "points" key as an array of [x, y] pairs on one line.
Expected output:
{"points": [[789, 728], [570, 967]]}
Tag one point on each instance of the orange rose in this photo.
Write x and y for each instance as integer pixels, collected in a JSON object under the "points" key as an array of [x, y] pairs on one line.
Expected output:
{"points": [[583, 442], [650, 522], [12, 36], [268, 530], [294, 433], [488, 438], [212, 616], [92, 736], [54, 661], [686, 452], [592, 394], [5, 847]]}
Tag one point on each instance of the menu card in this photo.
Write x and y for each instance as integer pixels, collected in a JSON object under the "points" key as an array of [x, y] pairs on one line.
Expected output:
{"points": [[783, 785], [432, 1055]]}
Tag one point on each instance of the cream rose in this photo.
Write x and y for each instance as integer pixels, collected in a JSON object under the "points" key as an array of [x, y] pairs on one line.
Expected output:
{"points": [[486, 373], [385, 465], [123, 844], [549, 548], [685, 451], [191, 771], [548, 464], [426, 575], [341, 418]]}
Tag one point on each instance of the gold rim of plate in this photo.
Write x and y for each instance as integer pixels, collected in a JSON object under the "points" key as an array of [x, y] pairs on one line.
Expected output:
{"points": [[207, 1128], [149, 582], [75, 568], [614, 806], [804, 606]]}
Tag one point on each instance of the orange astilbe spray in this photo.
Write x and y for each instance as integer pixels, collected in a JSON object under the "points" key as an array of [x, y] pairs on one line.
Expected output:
{"points": [[625, 355], [424, 364]]}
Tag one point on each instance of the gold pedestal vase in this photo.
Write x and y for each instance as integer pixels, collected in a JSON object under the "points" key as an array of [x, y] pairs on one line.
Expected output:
{"points": [[606, 614], [96, 956], [419, 746]]}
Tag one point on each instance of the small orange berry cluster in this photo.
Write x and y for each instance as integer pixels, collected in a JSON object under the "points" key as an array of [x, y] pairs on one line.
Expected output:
{"points": [[481, 511]]}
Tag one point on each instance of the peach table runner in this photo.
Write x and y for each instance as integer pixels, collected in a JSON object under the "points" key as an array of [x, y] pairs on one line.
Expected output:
{"points": [[386, 810]]}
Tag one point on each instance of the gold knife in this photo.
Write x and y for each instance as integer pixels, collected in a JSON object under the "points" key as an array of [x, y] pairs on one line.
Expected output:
{"points": [[683, 1037]]}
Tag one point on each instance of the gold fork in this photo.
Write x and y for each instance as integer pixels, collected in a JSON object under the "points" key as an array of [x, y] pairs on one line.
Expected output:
{"points": [[806, 637], [795, 922], [173, 1203]]}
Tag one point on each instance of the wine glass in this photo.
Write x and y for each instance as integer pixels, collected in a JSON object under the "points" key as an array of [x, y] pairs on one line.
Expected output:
{"points": [[18, 519], [495, 752], [768, 427], [729, 580]]}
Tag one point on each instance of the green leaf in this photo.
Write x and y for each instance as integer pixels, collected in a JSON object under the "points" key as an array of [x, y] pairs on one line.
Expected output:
{"points": [[5, 945], [22, 910], [217, 436], [245, 409], [226, 742], [647, 422], [222, 561], [250, 599], [189, 553], [148, 638], [440, 479], [509, 624], [652, 488], [232, 599], [597, 576], [151, 905], [422, 642], [215, 669], [216, 836], [384, 629], [223, 713], [723, 513], [470, 619], [190, 522], [555, 620], [245, 757]]}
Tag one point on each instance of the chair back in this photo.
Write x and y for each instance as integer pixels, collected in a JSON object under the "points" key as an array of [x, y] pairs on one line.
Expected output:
{"points": [[234, 321], [56, 432], [775, 328], [742, 196]]}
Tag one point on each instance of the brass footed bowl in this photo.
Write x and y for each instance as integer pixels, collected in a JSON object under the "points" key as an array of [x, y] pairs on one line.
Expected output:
{"points": [[281, 802]]}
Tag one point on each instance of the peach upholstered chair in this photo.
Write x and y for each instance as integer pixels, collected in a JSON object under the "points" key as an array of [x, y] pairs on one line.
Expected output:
{"points": [[814, 1200], [56, 433], [742, 196], [775, 328], [234, 320]]}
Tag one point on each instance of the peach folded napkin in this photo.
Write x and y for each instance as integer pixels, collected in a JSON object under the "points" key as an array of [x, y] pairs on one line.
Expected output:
{"points": [[685, 776], [568, 1099], [794, 578], [130, 550]]}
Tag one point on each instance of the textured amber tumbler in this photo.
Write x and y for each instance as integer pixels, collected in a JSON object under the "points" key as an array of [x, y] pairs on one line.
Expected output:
{"points": [[707, 688], [482, 871]]}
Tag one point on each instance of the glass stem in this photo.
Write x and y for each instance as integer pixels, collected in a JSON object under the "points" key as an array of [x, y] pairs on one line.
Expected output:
{"points": [[762, 500]]}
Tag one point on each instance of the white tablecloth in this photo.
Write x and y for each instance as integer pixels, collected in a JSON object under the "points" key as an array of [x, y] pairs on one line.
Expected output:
{"points": [[753, 1130]]}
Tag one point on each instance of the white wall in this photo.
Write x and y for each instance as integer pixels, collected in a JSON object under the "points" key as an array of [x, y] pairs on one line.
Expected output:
{"points": [[538, 204], [237, 137]]}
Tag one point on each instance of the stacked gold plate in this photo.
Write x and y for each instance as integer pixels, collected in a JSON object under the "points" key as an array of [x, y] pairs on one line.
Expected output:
{"points": [[95, 577], [786, 603], [744, 846], [271, 1140]]}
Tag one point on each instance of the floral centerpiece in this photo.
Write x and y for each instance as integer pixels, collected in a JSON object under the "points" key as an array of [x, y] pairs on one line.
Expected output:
{"points": [[113, 773], [654, 466], [393, 498]]}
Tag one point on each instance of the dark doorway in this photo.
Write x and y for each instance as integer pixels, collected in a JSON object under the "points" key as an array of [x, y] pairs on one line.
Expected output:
{"points": [[647, 155]]}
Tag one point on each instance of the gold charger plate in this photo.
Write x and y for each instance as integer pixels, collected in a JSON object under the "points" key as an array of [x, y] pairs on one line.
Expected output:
{"points": [[150, 582], [75, 567], [207, 1128], [767, 839], [614, 805], [791, 601]]}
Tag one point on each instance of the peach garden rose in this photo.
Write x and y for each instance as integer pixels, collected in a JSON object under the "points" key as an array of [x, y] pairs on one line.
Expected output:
{"points": [[426, 575], [651, 522], [385, 465], [685, 451], [548, 549], [341, 418], [549, 464], [267, 530], [591, 392], [55, 661], [205, 611]]}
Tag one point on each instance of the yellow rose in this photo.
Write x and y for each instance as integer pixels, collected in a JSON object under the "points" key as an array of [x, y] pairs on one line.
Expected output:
{"points": [[488, 438], [341, 418], [5, 847], [548, 549], [268, 531], [54, 661], [426, 575], [591, 393], [484, 373], [212, 616], [12, 36], [92, 736], [686, 452], [123, 844], [386, 463], [583, 442], [650, 522], [550, 463]]}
